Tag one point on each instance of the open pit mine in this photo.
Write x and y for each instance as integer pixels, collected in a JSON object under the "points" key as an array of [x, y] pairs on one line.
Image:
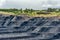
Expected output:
{"points": [[29, 28]]}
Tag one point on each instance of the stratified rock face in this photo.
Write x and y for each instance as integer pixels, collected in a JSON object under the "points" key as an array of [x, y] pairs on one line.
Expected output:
{"points": [[26, 28]]}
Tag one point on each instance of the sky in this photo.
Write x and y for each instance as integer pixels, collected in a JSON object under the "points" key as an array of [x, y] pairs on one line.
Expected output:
{"points": [[34, 4]]}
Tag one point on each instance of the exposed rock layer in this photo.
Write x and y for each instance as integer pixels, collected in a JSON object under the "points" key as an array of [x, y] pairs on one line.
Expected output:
{"points": [[29, 28]]}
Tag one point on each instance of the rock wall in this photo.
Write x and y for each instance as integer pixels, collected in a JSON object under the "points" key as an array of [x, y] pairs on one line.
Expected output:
{"points": [[29, 28]]}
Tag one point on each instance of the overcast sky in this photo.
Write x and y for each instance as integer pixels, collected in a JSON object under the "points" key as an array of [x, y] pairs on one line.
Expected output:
{"points": [[34, 4]]}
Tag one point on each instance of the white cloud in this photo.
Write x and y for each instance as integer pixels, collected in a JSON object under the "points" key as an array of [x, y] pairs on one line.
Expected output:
{"points": [[35, 4], [1, 2]]}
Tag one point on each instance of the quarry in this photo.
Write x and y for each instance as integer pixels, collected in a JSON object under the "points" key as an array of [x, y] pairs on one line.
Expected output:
{"points": [[24, 27]]}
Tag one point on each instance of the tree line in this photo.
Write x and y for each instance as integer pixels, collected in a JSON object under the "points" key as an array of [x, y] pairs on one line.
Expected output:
{"points": [[18, 11], [14, 9]]}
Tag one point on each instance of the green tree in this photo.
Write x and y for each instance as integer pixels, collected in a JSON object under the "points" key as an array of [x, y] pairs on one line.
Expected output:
{"points": [[26, 10], [49, 9], [21, 10]]}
